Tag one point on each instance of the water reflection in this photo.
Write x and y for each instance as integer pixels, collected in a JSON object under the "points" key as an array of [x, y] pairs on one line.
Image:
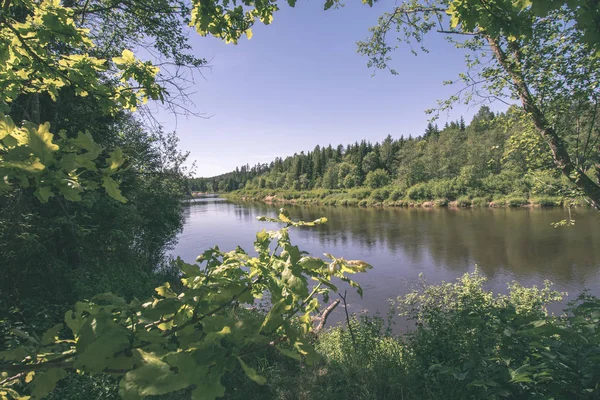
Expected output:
{"points": [[506, 244]]}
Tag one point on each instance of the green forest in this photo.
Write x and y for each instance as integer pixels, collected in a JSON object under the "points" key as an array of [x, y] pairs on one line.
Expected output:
{"points": [[497, 158], [92, 306]]}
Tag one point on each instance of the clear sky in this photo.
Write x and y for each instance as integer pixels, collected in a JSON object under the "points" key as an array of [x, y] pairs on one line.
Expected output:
{"points": [[299, 82]]}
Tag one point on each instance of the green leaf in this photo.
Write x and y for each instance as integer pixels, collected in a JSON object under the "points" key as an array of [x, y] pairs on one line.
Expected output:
{"points": [[40, 142], [312, 263], [289, 353], [99, 342], [208, 390], [43, 193], [115, 160], [165, 291], [112, 188], [251, 373], [51, 334], [190, 270], [6, 126], [127, 58], [154, 377], [44, 382]]}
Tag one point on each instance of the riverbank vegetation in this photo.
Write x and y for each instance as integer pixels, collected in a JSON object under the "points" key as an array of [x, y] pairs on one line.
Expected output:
{"points": [[497, 160], [92, 307], [467, 343]]}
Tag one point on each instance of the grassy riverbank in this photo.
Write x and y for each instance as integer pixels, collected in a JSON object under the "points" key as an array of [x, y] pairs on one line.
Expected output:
{"points": [[391, 197]]}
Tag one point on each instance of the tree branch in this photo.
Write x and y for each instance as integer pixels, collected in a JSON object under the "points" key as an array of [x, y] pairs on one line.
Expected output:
{"points": [[559, 151]]}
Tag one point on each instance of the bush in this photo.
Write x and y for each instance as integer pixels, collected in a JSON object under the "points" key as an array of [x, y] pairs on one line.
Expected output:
{"points": [[468, 344], [466, 335], [363, 203], [516, 201], [378, 178], [505, 183], [420, 191], [479, 202], [440, 202], [396, 194], [445, 188], [361, 193], [362, 364], [380, 194], [547, 183], [547, 201], [463, 201]]}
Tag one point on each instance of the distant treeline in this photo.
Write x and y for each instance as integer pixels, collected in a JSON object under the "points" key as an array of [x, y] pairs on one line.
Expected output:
{"points": [[497, 154]]}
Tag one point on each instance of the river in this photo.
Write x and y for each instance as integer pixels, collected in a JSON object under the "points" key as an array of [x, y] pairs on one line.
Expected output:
{"points": [[400, 243]]}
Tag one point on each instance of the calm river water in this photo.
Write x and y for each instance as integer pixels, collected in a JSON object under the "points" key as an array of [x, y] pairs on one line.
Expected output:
{"points": [[443, 244]]}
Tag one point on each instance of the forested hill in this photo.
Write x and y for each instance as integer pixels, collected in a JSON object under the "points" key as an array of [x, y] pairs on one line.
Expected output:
{"points": [[494, 155]]}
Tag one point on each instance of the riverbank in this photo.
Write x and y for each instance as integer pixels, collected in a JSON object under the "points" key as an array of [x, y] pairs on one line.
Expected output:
{"points": [[389, 197]]}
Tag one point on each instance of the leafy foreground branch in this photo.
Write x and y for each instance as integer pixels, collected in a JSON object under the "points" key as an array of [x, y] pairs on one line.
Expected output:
{"points": [[186, 338]]}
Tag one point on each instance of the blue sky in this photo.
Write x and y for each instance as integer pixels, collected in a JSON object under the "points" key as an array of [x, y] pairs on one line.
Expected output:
{"points": [[299, 82]]}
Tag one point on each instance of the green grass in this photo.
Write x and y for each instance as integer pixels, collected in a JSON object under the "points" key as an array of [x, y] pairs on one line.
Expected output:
{"points": [[516, 201], [546, 201]]}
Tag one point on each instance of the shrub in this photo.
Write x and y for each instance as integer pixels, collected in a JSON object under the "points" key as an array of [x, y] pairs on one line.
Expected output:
{"points": [[378, 178], [364, 363], [547, 201], [380, 194], [465, 334], [505, 183], [445, 188], [440, 202], [479, 202], [420, 191], [463, 201], [360, 193], [460, 348], [396, 194], [547, 183], [516, 201], [363, 203]]}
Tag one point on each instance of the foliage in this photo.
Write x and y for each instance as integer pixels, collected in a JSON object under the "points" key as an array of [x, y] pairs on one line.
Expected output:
{"points": [[463, 201], [420, 191], [176, 340], [544, 54], [466, 343], [471, 344], [33, 159], [364, 364], [380, 194], [477, 160], [376, 179]]}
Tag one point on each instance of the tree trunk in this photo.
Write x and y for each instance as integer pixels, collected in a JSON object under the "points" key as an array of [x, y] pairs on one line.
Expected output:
{"points": [[559, 151]]}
